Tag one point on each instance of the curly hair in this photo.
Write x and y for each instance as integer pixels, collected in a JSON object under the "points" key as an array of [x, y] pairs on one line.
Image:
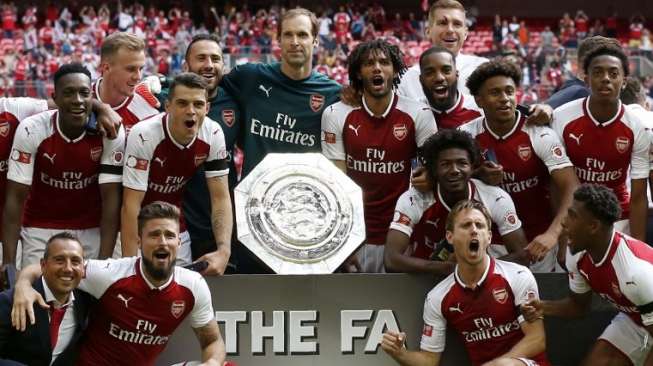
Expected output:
{"points": [[607, 50], [429, 152], [600, 201], [491, 69], [633, 92], [358, 55]]}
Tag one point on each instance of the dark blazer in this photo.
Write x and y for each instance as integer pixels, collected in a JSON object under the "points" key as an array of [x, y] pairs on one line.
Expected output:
{"points": [[32, 347]]}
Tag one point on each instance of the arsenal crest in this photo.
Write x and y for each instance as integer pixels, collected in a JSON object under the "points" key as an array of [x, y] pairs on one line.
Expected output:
{"points": [[524, 152], [228, 117], [557, 151], [500, 295], [117, 156], [622, 144], [4, 129], [317, 102], [199, 159], [511, 218], [177, 308], [400, 132], [96, 152]]}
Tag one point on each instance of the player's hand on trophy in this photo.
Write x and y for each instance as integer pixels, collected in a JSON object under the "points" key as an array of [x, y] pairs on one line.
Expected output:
{"points": [[24, 298], [217, 261], [532, 310], [541, 245], [351, 264], [393, 343], [420, 180], [490, 173], [540, 115]]}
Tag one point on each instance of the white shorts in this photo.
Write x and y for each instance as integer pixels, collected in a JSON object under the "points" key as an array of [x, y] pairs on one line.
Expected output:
{"points": [[33, 242], [370, 257], [629, 338]]}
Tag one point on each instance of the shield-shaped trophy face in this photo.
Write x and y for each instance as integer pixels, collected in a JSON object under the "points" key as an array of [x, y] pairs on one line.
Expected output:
{"points": [[299, 213]]}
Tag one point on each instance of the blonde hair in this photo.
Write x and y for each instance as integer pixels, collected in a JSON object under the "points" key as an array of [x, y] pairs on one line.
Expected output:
{"points": [[444, 4], [115, 41]]}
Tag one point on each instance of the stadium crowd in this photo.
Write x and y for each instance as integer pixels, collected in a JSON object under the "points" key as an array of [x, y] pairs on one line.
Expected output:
{"points": [[460, 178]]}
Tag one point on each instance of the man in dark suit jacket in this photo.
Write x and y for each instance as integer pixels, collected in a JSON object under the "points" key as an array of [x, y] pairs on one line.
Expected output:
{"points": [[62, 267]]}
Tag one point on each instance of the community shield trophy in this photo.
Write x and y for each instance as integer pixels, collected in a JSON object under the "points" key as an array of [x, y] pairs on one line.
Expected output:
{"points": [[299, 214]]}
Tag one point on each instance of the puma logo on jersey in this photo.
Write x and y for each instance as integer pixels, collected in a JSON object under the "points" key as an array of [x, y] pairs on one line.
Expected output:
{"points": [[455, 309], [51, 158], [143, 139], [544, 134], [160, 161], [498, 199], [123, 299], [434, 223], [355, 129], [575, 138], [630, 283], [27, 130], [266, 91]]}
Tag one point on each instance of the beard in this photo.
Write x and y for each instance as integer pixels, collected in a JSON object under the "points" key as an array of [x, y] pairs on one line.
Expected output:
{"points": [[158, 274]]}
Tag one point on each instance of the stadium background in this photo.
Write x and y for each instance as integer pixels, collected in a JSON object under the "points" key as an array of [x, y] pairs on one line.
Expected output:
{"points": [[39, 36]]}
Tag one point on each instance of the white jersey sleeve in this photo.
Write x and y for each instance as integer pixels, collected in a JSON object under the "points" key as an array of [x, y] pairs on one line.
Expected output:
{"points": [[202, 312], [434, 332], [635, 275], [22, 108], [138, 157], [425, 125], [409, 85], [333, 122], [501, 207], [639, 161], [408, 211], [548, 147], [577, 282], [113, 152], [216, 163], [29, 136], [99, 275], [522, 283]]}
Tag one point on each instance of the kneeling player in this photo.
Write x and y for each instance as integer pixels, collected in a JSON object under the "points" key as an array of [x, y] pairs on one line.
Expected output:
{"points": [[480, 300], [617, 267]]}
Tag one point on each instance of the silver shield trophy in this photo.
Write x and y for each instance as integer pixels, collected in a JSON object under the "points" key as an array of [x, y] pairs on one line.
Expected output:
{"points": [[299, 214]]}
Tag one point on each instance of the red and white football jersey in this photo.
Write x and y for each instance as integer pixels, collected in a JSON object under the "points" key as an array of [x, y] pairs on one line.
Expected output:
{"points": [[159, 166], [528, 154], [624, 276], [377, 152], [135, 317], [422, 216], [12, 111], [486, 318], [64, 174], [461, 113], [141, 105], [602, 152], [411, 87]]}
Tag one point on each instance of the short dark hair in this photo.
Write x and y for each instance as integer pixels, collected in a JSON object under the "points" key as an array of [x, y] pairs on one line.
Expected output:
{"points": [[491, 69], [188, 79], [465, 205], [292, 13], [64, 235], [71, 68], [202, 37], [632, 91], [447, 139], [432, 50], [600, 201], [607, 50], [355, 60], [590, 43], [157, 210]]}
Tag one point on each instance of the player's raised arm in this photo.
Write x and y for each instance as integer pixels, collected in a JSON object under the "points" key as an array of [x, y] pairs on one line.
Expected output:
{"points": [[213, 349]]}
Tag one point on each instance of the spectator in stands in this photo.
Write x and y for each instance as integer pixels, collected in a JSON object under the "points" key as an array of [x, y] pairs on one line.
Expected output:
{"points": [[523, 34], [513, 26], [576, 88], [325, 26], [636, 28], [582, 24], [53, 339], [547, 37], [646, 46], [497, 35], [611, 24]]}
